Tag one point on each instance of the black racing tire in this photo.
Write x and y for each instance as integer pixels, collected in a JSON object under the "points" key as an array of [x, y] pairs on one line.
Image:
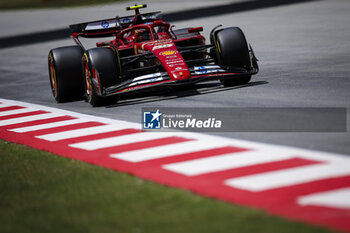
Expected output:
{"points": [[65, 71], [232, 50], [101, 70]]}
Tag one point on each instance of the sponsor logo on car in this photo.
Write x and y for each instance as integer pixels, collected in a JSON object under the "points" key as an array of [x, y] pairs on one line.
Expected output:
{"points": [[207, 69], [202, 70], [171, 57], [174, 61], [126, 20], [105, 24], [101, 25], [162, 46], [168, 52]]}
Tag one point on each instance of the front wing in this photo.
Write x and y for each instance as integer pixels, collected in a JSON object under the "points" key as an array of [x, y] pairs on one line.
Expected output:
{"points": [[162, 79]]}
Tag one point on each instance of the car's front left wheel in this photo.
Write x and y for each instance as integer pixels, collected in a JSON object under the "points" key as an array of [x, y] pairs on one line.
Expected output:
{"points": [[232, 51]]}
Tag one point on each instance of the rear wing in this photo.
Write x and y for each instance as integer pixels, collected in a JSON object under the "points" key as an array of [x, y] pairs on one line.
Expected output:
{"points": [[109, 27]]}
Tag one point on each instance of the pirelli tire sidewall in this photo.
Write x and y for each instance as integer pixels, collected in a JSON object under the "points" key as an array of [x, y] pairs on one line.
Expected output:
{"points": [[232, 48], [65, 64]]}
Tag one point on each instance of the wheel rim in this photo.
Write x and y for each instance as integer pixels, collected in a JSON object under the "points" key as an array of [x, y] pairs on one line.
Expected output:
{"points": [[53, 79], [88, 83]]}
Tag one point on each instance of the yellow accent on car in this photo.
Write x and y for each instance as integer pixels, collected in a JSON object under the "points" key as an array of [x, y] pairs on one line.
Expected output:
{"points": [[218, 46], [136, 7], [168, 52], [86, 57]]}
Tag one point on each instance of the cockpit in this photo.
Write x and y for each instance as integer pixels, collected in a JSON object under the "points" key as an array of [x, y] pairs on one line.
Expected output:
{"points": [[145, 32]]}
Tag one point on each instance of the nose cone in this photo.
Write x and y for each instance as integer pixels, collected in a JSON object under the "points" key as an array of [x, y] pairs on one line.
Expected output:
{"points": [[171, 59], [181, 75]]}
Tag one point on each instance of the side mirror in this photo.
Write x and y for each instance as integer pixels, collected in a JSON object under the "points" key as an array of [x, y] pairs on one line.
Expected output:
{"points": [[172, 32]]}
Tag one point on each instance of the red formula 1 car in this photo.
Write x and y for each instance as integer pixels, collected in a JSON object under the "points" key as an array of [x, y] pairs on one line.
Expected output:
{"points": [[146, 53]]}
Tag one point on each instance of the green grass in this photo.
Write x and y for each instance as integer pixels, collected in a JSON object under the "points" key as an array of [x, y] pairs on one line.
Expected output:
{"points": [[25, 4], [42, 192]]}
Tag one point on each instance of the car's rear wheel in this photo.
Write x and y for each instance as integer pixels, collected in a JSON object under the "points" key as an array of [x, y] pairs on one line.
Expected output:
{"points": [[101, 70], [65, 71], [232, 51]]}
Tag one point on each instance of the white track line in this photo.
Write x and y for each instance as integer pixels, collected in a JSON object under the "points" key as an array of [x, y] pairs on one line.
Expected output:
{"points": [[79, 132], [4, 105], [288, 177], [17, 111], [118, 141], [225, 162], [167, 150], [7, 103], [28, 118], [48, 125], [339, 198]]}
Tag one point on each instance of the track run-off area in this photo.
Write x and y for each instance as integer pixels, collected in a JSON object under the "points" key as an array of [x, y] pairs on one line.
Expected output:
{"points": [[300, 184]]}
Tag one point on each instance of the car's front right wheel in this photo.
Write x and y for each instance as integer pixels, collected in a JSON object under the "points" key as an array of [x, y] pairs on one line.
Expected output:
{"points": [[100, 71]]}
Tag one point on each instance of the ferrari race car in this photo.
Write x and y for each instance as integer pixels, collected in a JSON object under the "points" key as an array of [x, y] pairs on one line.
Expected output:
{"points": [[146, 53]]}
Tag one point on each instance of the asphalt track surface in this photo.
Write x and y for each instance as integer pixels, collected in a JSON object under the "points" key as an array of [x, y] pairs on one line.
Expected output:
{"points": [[303, 48]]}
